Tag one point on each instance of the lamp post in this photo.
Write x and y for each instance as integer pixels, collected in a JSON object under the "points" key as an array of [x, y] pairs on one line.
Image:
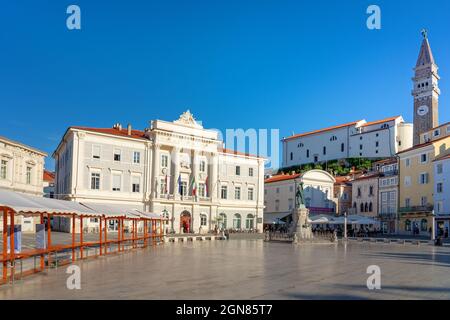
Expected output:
{"points": [[345, 225], [433, 221]]}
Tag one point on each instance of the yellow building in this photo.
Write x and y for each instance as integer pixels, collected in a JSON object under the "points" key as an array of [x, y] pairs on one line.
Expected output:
{"points": [[416, 180]]}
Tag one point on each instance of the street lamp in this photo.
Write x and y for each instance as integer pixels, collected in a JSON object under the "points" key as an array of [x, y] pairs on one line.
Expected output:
{"points": [[433, 221], [345, 225]]}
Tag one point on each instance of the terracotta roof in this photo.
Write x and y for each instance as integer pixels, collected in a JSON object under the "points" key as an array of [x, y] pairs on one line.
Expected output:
{"points": [[49, 176], [136, 134], [379, 121], [282, 177], [423, 144], [342, 179], [368, 176], [386, 161], [322, 130], [443, 157], [229, 151]]}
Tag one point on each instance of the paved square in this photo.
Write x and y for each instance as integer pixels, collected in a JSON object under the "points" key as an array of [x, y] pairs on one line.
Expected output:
{"points": [[250, 269]]}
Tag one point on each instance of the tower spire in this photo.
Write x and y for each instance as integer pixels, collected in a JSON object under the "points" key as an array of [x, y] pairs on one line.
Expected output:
{"points": [[425, 54]]}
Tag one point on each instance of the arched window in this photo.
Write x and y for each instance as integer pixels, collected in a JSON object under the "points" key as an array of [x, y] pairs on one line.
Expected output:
{"points": [[292, 156], [333, 138], [354, 205], [366, 207], [307, 153], [249, 222], [423, 225], [370, 207], [342, 147], [222, 221], [237, 221], [300, 145], [408, 225], [361, 207]]}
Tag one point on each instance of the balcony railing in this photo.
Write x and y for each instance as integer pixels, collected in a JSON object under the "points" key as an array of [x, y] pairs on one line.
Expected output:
{"points": [[416, 209]]}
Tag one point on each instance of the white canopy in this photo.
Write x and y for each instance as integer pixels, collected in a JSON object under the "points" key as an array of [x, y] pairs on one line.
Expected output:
{"points": [[274, 218], [28, 204], [120, 210], [352, 219]]}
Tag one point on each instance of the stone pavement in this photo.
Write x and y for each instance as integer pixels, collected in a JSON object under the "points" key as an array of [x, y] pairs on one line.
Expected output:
{"points": [[250, 269]]}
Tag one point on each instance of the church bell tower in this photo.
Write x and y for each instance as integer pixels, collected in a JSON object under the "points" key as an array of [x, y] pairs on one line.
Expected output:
{"points": [[426, 91]]}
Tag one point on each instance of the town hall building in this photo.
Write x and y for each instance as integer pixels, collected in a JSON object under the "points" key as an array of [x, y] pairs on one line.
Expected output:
{"points": [[177, 169]]}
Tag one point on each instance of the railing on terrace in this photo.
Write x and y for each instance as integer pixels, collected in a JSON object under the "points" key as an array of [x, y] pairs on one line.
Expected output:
{"points": [[416, 209]]}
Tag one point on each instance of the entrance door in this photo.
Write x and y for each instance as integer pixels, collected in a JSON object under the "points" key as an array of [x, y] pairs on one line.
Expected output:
{"points": [[185, 222]]}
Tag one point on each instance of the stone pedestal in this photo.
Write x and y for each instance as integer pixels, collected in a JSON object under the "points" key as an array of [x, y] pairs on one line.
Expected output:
{"points": [[303, 229]]}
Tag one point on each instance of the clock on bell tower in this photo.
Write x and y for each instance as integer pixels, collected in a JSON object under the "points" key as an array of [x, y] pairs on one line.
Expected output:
{"points": [[426, 91]]}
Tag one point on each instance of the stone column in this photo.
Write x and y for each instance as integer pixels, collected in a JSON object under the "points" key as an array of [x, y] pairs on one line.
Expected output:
{"points": [[176, 171], [194, 169], [212, 177], [156, 172]]}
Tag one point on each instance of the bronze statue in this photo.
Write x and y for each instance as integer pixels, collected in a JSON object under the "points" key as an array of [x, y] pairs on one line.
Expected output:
{"points": [[299, 196]]}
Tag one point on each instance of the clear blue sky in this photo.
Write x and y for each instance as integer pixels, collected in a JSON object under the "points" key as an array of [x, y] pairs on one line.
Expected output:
{"points": [[293, 65]]}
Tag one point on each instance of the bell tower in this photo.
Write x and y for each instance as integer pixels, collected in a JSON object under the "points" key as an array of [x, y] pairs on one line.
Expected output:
{"points": [[426, 91]]}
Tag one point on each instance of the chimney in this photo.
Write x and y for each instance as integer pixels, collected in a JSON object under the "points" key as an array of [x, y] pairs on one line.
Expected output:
{"points": [[129, 129], [117, 126]]}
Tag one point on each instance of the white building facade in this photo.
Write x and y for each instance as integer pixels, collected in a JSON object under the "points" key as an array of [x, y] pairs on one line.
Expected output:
{"points": [[358, 139], [21, 170], [177, 169], [279, 194], [388, 196]]}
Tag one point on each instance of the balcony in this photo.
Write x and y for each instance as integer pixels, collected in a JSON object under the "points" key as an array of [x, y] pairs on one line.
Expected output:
{"points": [[416, 209]]}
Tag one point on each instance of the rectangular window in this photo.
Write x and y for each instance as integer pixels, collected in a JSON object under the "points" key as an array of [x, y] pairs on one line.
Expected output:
{"points": [[96, 152], [136, 157], [360, 147], [324, 150], [439, 187], [29, 175], [95, 181], [250, 172], [164, 161], [377, 143], [423, 201], [202, 167], [407, 181], [423, 178], [184, 188], [439, 168], [223, 192], [3, 169], [407, 202], [291, 204], [342, 147], [423, 158], [203, 220], [202, 190], [237, 193], [277, 205], [250, 194], [238, 170], [407, 162], [116, 182], [117, 155], [135, 184]]}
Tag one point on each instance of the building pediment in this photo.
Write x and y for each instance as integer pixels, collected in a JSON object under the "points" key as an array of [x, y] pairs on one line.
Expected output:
{"points": [[187, 119]]}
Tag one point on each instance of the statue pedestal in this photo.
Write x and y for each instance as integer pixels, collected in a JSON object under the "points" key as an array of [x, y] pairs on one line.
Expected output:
{"points": [[303, 230]]}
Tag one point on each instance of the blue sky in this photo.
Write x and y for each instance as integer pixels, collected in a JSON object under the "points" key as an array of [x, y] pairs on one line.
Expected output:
{"points": [[293, 65]]}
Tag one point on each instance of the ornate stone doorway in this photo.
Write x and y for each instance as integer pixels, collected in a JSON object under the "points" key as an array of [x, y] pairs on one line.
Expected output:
{"points": [[185, 222]]}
